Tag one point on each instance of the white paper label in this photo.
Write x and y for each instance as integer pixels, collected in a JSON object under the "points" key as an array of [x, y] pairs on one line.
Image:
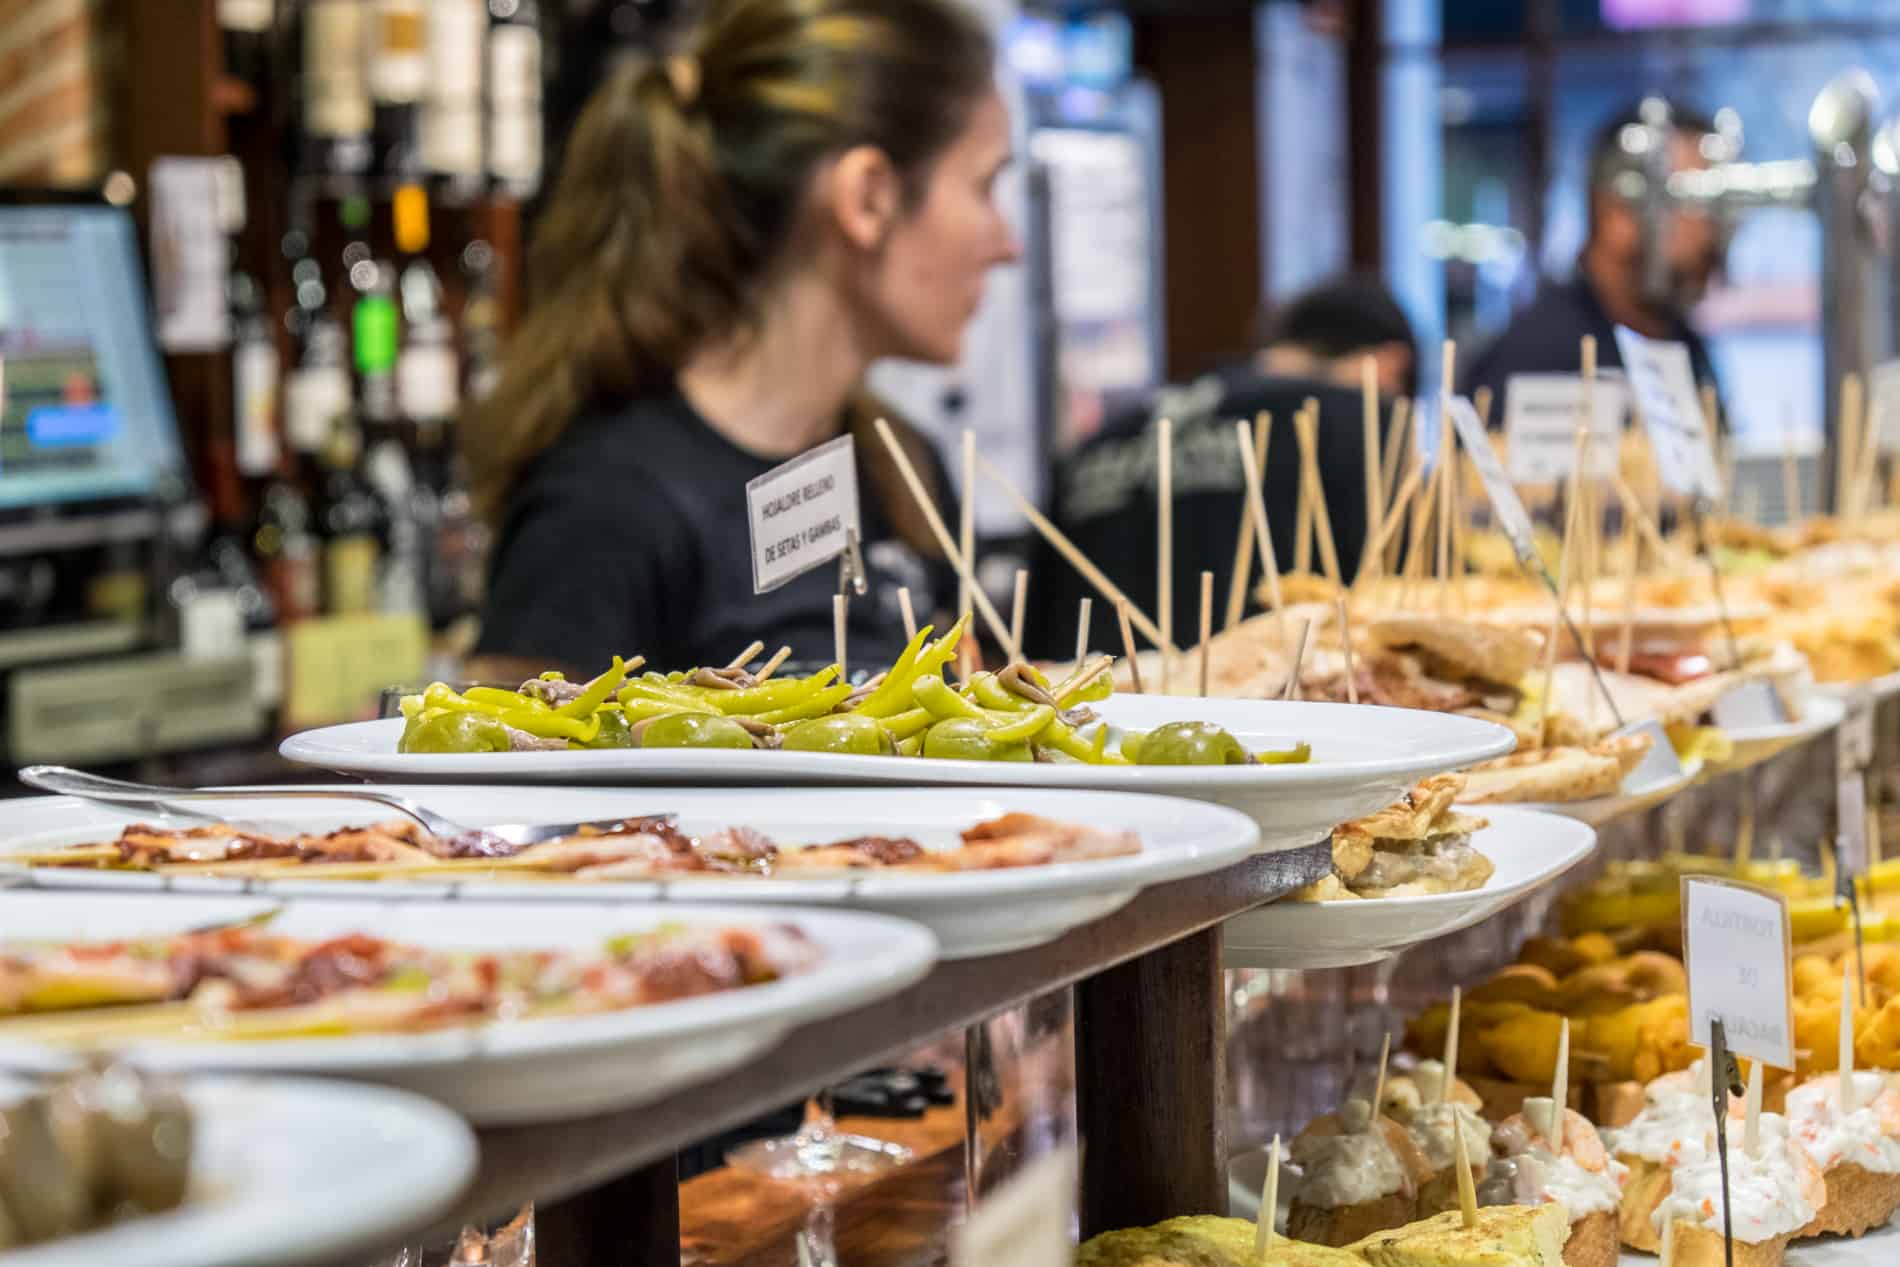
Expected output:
{"points": [[245, 15], [1735, 939], [427, 379], [1541, 412], [514, 66], [313, 400], [1850, 807], [1512, 518], [514, 145], [449, 137], [336, 95], [254, 391], [1749, 706], [1663, 383], [458, 30], [190, 257], [1025, 1221], [1884, 395], [211, 626], [399, 61], [801, 514]]}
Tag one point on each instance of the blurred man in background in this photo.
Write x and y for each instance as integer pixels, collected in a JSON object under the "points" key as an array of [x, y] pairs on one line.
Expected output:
{"points": [[1608, 289], [1104, 493]]}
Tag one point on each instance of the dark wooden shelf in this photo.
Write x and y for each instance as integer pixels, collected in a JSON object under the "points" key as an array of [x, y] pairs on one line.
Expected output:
{"points": [[1183, 1160]]}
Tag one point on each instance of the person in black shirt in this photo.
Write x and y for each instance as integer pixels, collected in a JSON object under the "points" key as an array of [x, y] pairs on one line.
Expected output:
{"points": [[737, 232], [1608, 288], [1104, 493]]}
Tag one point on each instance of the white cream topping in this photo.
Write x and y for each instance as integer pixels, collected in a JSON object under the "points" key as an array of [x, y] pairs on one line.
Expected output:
{"points": [[1579, 1190], [1833, 1138], [1346, 1169], [1432, 1128], [1765, 1198], [1668, 1130]]}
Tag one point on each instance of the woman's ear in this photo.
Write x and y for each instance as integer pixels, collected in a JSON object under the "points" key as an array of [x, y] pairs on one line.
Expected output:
{"points": [[864, 196]]}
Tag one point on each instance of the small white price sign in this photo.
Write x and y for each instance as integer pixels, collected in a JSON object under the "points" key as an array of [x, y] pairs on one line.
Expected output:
{"points": [[1663, 383], [1505, 503], [1024, 1222], [1736, 944], [1541, 412], [802, 514], [1884, 395]]}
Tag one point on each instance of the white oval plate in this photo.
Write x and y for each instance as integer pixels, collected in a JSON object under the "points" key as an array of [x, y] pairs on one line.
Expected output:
{"points": [[287, 1170], [1639, 792], [537, 1070], [972, 913], [1528, 849], [1756, 744], [1363, 758]]}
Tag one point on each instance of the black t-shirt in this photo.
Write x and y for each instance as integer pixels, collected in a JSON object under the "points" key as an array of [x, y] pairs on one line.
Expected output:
{"points": [[1546, 338], [629, 537], [1104, 500]]}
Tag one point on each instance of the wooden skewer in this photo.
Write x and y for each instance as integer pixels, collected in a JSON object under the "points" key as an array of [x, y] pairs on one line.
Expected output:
{"points": [[1345, 641], [1164, 524], [1633, 510], [773, 665], [1669, 1243], [1378, 1087], [1560, 1089], [1263, 537], [1451, 1047], [1082, 629], [1307, 427], [1128, 645], [1068, 550], [1481, 403], [1243, 546], [1396, 518], [958, 559], [1850, 1098], [840, 608], [747, 656], [966, 524], [1263, 1228], [1867, 470], [909, 613], [1751, 1111], [1207, 625], [1019, 607], [1369, 427], [1467, 1191], [1303, 509], [1628, 639], [1398, 440], [1585, 486], [1416, 548], [1395, 446], [1292, 688], [1448, 472]]}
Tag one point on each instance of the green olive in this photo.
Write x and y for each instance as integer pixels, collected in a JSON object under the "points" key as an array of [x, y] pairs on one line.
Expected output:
{"points": [[1191, 743], [967, 739], [849, 733], [615, 730], [694, 730], [454, 732]]}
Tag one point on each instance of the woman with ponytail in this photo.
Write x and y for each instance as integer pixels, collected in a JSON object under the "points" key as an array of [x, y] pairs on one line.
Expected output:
{"points": [[738, 230]]}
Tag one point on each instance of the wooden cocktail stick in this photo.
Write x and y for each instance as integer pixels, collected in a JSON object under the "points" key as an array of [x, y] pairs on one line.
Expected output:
{"points": [[840, 607], [1128, 645], [1207, 624], [1369, 426], [1292, 688], [1244, 544], [1019, 607], [1263, 1228], [747, 656], [1345, 642], [1751, 1111], [1451, 1046], [909, 612], [1164, 524], [1560, 1089], [1263, 537], [772, 666], [1082, 630]]}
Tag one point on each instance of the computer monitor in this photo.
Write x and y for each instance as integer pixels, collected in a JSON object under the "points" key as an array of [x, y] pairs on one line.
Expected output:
{"points": [[86, 421]]}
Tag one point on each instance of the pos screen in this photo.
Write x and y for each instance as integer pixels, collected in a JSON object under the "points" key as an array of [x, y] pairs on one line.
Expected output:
{"points": [[84, 411]]}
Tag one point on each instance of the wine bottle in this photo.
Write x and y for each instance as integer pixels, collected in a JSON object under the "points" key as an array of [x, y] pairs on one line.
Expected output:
{"points": [[350, 523], [428, 389], [514, 96], [450, 128], [398, 74], [337, 113], [246, 26], [481, 321]]}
